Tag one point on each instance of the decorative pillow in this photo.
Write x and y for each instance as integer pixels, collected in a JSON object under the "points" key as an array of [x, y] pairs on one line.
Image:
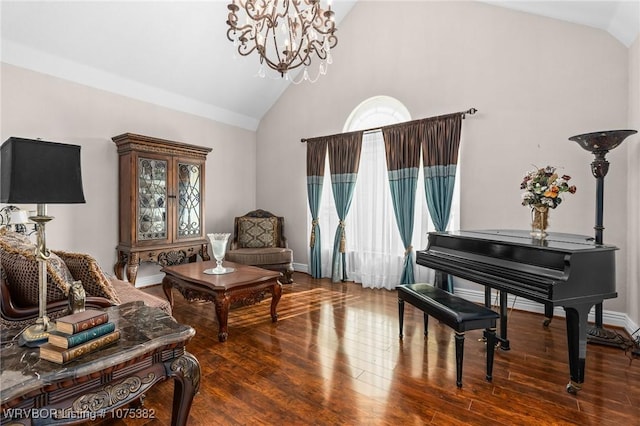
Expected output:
{"points": [[257, 232], [85, 268], [17, 254]]}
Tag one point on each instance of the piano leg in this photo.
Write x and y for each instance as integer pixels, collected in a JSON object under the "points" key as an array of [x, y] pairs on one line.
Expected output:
{"points": [[504, 342], [440, 280], [548, 314], [576, 319], [487, 297], [401, 315]]}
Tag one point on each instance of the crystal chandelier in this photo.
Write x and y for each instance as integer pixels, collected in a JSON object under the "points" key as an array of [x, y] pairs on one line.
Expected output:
{"points": [[285, 33]]}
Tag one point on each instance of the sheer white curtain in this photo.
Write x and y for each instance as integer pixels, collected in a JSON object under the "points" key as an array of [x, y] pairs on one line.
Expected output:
{"points": [[375, 252], [374, 249]]}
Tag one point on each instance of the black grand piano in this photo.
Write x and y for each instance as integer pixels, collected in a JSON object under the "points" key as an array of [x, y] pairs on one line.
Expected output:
{"points": [[565, 270]]}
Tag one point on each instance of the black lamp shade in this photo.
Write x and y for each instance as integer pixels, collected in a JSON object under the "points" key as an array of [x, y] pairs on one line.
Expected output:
{"points": [[40, 172]]}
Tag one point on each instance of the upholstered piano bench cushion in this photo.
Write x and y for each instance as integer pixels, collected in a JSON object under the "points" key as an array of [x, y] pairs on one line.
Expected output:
{"points": [[17, 254], [261, 256], [257, 232]]}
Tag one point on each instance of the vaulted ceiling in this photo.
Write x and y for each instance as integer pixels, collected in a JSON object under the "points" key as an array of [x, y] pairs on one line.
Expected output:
{"points": [[176, 53]]}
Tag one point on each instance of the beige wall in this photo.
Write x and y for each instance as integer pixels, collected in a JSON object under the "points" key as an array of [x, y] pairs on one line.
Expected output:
{"points": [[35, 105], [535, 81], [633, 194]]}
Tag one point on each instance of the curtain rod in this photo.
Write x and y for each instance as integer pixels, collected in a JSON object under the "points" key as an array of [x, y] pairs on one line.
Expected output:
{"points": [[470, 111]]}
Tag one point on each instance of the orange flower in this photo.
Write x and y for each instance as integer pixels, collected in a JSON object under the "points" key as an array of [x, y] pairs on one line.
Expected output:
{"points": [[552, 192]]}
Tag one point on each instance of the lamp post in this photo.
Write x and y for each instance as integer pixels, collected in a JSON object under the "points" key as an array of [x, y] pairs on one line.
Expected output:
{"points": [[600, 143]]}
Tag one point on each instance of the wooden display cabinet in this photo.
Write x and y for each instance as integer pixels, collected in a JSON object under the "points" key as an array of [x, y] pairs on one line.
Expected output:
{"points": [[162, 188]]}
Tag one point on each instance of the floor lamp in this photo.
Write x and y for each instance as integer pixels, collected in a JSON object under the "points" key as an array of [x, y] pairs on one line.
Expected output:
{"points": [[600, 143], [40, 172]]}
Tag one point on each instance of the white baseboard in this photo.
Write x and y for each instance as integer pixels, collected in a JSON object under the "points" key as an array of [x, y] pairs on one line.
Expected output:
{"points": [[301, 267], [149, 280]]}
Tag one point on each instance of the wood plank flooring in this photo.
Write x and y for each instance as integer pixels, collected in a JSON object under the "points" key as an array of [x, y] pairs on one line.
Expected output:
{"points": [[334, 358]]}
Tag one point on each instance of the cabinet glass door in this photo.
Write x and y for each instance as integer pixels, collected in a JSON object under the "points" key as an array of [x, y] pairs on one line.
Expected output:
{"points": [[152, 204], [189, 197]]}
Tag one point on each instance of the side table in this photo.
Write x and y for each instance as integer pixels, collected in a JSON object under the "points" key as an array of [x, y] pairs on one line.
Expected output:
{"points": [[98, 385]]}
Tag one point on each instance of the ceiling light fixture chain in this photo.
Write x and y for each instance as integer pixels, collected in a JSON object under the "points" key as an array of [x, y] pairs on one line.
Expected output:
{"points": [[285, 33]]}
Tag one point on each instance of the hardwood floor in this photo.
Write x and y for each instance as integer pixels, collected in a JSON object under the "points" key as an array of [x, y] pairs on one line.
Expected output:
{"points": [[334, 358]]}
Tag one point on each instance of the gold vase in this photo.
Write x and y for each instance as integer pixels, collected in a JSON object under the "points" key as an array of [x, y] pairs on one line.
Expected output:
{"points": [[539, 221]]}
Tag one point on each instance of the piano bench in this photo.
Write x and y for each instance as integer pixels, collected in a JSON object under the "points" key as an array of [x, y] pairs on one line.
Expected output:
{"points": [[458, 313]]}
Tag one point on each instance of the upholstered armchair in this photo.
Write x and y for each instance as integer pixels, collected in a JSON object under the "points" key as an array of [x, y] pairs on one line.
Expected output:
{"points": [[258, 240], [19, 286]]}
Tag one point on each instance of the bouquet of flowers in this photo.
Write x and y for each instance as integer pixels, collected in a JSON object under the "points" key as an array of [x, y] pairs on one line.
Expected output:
{"points": [[543, 187]]}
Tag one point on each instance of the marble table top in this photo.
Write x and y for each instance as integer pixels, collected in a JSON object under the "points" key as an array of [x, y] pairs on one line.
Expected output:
{"points": [[143, 330]]}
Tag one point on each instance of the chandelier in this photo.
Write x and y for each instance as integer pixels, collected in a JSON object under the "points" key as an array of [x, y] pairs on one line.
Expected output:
{"points": [[287, 34]]}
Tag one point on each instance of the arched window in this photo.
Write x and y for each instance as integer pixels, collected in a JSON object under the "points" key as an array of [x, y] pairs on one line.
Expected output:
{"points": [[377, 112], [374, 248]]}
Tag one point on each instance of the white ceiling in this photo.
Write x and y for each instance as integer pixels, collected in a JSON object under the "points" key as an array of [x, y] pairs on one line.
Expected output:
{"points": [[176, 54]]}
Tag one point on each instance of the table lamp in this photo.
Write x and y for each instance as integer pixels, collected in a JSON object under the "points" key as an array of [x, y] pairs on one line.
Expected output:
{"points": [[19, 218], [14, 217], [40, 172]]}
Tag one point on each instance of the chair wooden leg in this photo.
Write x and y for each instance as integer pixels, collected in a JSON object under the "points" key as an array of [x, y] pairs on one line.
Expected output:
{"points": [[459, 357], [400, 316], [287, 277], [491, 344]]}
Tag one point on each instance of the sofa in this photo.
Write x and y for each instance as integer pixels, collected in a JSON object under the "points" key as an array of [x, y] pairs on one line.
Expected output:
{"points": [[19, 283]]}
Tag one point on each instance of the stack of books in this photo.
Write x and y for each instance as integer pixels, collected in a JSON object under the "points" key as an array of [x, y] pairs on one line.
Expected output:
{"points": [[79, 334]]}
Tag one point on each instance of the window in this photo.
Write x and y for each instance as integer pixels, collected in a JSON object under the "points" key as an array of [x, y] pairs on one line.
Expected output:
{"points": [[375, 252]]}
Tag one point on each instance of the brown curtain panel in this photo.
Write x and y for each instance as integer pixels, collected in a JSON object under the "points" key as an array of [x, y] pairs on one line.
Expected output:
{"points": [[344, 162], [442, 142], [440, 158], [402, 146], [316, 158], [344, 152]]}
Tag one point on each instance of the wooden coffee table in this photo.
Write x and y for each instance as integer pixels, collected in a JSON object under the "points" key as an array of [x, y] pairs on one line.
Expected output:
{"points": [[246, 285]]}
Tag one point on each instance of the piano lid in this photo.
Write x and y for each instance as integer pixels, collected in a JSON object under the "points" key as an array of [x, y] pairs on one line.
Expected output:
{"points": [[554, 241]]}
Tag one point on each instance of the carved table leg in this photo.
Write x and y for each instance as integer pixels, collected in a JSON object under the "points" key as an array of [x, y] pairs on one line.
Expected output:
{"points": [[186, 372], [132, 267], [222, 304], [276, 293], [166, 287], [119, 266], [204, 254]]}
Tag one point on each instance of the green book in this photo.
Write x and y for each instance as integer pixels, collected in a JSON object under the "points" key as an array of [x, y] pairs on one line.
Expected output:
{"points": [[66, 341], [62, 356]]}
